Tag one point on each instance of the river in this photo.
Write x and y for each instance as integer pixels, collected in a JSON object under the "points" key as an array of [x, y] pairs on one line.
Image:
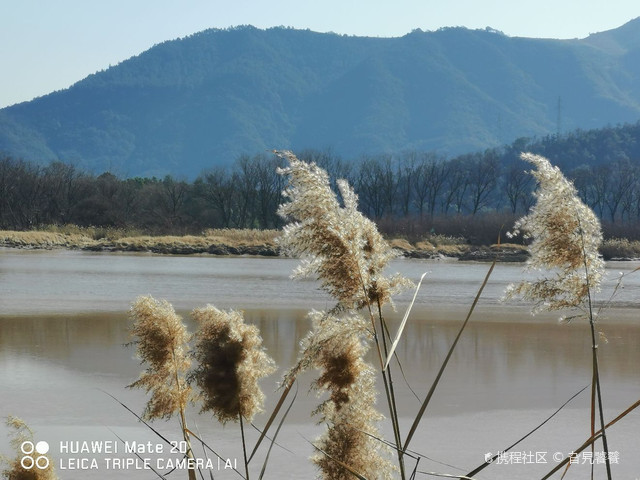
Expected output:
{"points": [[63, 330]]}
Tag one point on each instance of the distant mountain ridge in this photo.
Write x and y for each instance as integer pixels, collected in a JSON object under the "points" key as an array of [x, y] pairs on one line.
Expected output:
{"points": [[201, 101]]}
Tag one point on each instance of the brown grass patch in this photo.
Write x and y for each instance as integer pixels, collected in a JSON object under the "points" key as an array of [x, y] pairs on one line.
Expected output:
{"points": [[401, 244], [43, 239], [244, 237], [426, 246], [148, 241], [620, 248], [71, 236], [95, 233]]}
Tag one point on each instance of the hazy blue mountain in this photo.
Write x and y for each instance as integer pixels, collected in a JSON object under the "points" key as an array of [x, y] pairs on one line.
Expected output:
{"points": [[192, 103]]}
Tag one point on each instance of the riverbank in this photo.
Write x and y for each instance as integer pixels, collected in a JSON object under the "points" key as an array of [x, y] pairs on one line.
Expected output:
{"points": [[238, 242], [214, 242], [264, 243]]}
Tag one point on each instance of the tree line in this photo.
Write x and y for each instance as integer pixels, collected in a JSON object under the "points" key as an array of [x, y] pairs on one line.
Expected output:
{"points": [[413, 191]]}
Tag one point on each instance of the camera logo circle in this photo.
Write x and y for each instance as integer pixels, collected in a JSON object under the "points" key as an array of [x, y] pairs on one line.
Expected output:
{"points": [[29, 460]]}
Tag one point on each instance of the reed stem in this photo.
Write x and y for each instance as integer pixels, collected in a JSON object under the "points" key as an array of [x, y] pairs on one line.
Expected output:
{"points": [[596, 375], [244, 447], [594, 359], [392, 397], [183, 422]]}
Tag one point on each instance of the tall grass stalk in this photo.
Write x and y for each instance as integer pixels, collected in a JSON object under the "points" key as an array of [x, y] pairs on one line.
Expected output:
{"points": [[566, 235], [231, 361], [348, 255], [596, 371], [390, 391], [161, 341]]}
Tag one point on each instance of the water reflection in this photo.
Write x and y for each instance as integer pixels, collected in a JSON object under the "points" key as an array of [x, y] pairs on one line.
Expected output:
{"points": [[54, 370], [60, 351], [530, 364]]}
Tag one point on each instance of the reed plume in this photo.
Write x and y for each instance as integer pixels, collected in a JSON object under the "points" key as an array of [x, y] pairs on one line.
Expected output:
{"points": [[348, 255], [338, 243], [161, 343], [565, 236], [337, 346], [231, 360], [32, 467]]}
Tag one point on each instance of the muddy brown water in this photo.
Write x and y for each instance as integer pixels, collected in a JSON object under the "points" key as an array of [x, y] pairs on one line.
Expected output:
{"points": [[63, 327]]}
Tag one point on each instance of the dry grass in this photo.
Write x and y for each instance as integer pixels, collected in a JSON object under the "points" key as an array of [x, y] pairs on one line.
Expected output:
{"points": [[95, 233], [148, 242], [432, 245], [237, 236], [39, 239], [447, 250], [39, 466], [211, 241], [74, 237], [445, 240], [620, 248], [71, 236], [426, 246], [231, 360], [401, 244]]}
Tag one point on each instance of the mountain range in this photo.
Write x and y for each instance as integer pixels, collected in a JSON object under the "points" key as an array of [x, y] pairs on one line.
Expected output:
{"points": [[201, 101]]}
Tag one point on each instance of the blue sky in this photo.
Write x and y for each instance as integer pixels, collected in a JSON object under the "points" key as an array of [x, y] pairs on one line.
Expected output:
{"points": [[48, 45]]}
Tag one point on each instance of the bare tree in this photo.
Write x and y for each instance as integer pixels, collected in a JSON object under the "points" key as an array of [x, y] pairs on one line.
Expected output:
{"points": [[369, 187], [247, 184], [62, 188], [483, 178], [268, 190], [24, 204], [165, 200], [456, 186], [517, 186], [407, 170], [218, 188], [623, 179]]}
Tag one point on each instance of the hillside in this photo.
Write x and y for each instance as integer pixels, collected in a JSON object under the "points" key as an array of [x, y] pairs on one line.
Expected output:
{"points": [[200, 101]]}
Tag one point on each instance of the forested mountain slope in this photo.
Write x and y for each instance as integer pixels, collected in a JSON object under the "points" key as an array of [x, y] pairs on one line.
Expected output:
{"points": [[200, 101]]}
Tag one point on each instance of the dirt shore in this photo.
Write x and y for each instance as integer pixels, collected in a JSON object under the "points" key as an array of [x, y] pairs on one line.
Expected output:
{"points": [[224, 243], [265, 243]]}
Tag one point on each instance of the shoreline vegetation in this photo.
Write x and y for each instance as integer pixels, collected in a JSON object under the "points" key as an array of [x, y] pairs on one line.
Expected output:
{"points": [[264, 243]]}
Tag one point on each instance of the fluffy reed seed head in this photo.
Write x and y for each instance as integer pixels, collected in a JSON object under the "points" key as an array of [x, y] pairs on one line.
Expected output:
{"points": [[231, 360], [161, 340], [336, 347], [341, 246], [565, 237], [15, 470]]}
